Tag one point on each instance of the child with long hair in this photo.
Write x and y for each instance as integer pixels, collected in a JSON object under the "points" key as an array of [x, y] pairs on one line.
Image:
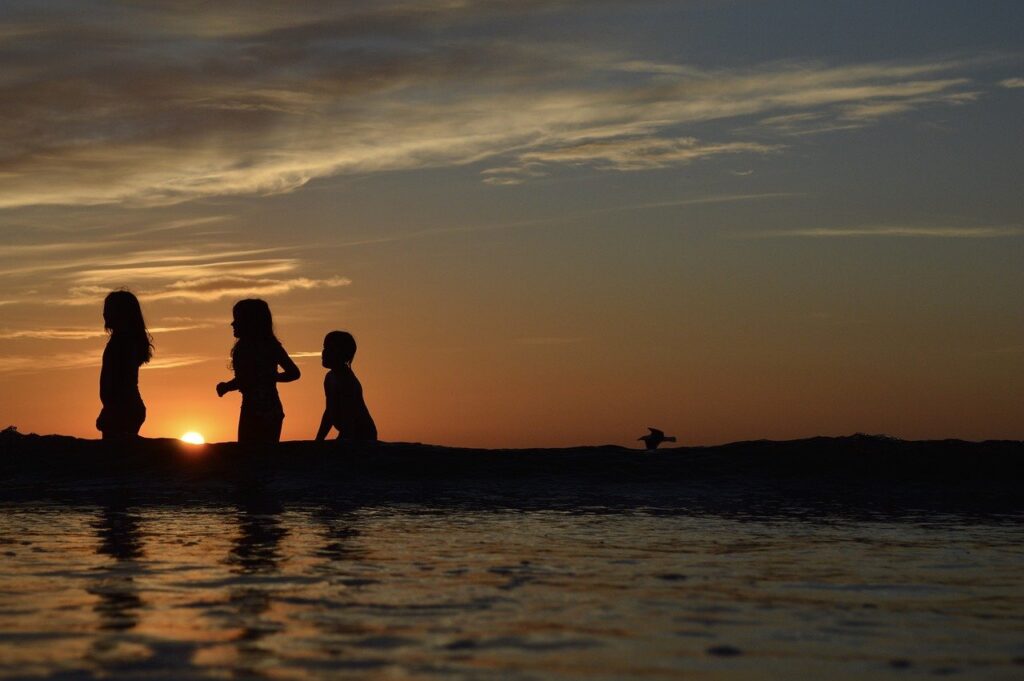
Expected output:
{"points": [[255, 358], [346, 410], [129, 347]]}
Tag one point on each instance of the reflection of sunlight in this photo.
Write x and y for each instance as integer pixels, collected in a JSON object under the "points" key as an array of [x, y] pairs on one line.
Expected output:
{"points": [[193, 438]]}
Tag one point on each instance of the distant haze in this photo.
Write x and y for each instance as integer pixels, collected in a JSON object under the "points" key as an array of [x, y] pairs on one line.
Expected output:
{"points": [[547, 222]]}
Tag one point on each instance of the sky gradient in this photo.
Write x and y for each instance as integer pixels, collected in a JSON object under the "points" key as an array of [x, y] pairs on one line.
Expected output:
{"points": [[545, 222]]}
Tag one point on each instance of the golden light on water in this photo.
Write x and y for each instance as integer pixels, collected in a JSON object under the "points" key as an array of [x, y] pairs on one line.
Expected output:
{"points": [[193, 438]]}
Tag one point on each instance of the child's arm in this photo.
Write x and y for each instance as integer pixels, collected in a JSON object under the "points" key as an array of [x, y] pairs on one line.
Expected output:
{"points": [[239, 364], [325, 426], [291, 372], [226, 386], [106, 378], [325, 420]]}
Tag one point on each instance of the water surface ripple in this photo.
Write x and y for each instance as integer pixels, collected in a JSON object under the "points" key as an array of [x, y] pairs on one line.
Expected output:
{"points": [[256, 588]]}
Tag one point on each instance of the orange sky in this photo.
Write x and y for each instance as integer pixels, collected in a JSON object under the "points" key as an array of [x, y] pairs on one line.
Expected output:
{"points": [[546, 224]]}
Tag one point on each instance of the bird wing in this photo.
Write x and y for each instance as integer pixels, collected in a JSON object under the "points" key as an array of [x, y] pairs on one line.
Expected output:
{"points": [[655, 432]]}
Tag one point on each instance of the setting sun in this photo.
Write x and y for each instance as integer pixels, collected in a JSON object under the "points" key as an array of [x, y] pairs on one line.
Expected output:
{"points": [[193, 438]]}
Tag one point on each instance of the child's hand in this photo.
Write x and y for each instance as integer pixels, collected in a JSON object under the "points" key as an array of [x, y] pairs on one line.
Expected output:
{"points": [[221, 389]]}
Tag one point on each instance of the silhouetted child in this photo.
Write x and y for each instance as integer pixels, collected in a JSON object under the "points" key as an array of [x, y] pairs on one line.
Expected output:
{"points": [[130, 346], [255, 358], [345, 408]]}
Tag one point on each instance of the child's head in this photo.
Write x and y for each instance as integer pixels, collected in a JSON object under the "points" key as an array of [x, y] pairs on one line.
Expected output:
{"points": [[122, 315], [252, 319], [122, 312], [339, 349]]}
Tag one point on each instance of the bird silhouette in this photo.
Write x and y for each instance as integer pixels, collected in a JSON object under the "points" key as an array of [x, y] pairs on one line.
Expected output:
{"points": [[655, 438]]}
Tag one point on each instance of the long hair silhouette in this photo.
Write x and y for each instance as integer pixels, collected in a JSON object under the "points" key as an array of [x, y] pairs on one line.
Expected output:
{"points": [[253, 324], [128, 348], [122, 317]]}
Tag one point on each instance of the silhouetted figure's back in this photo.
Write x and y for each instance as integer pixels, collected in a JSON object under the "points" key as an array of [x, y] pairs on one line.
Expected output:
{"points": [[655, 438], [129, 347], [345, 409]]}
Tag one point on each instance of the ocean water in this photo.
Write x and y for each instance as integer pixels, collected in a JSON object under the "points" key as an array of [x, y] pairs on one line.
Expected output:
{"points": [[413, 591]]}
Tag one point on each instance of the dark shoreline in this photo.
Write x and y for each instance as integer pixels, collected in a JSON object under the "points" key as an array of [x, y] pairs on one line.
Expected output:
{"points": [[852, 474]]}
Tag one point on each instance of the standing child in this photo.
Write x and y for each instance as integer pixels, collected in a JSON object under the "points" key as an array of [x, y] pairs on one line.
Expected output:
{"points": [[345, 408], [255, 358], [130, 346]]}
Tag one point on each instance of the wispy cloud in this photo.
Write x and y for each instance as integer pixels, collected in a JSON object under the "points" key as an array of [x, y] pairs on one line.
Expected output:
{"points": [[1012, 83], [855, 107], [250, 99], [81, 333], [878, 108], [35, 363], [25, 364], [61, 255], [644, 153], [893, 231], [218, 288], [193, 227], [710, 200], [209, 289], [176, 361], [204, 272], [19, 251], [52, 334], [185, 268]]}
